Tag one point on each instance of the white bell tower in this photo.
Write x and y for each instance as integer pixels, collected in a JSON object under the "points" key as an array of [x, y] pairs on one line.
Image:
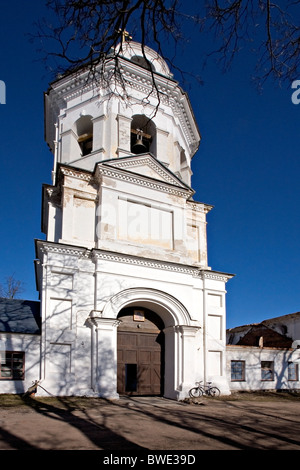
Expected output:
{"points": [[125, 255]]}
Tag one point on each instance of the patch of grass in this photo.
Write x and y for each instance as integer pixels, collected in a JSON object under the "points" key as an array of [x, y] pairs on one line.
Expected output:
{"points": [[63, 403], [9, 400], [262, 395], [73, 403]]}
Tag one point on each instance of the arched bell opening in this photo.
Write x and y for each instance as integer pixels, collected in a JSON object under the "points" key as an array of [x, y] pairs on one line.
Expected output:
{"points": [[140, 352], [84, 130], [143, 135]]}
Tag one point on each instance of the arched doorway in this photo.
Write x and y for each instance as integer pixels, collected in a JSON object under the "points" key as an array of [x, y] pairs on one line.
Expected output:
{"points": [[140, 352]]}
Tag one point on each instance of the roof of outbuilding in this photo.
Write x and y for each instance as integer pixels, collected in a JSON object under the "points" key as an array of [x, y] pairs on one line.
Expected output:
{"points": [[273, 320], [20, 316]]}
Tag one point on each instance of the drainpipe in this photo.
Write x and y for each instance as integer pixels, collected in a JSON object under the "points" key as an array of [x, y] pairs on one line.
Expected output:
{"points": [[55, 154], [204, 331], [92, 326]]}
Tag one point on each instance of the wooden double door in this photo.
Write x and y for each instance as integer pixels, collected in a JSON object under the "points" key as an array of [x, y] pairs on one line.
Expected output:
{"points": [[140, 353]]}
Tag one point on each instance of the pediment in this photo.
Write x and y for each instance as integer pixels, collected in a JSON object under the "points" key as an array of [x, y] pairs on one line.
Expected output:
{"points": [[148, 166]]}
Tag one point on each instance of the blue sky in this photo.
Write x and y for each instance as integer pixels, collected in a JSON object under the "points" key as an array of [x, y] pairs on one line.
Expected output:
{"points": [[247, 167]]}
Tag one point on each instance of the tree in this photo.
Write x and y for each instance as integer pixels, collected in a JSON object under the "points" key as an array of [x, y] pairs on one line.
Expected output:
{"points": [[88, 31], [270, 28], [12, 288]]}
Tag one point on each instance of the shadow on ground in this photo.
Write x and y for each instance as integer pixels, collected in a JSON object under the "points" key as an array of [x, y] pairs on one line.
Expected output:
{"points": [[149, 423]]}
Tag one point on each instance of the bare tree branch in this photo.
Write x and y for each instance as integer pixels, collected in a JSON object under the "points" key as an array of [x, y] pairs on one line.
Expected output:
{"points": [[87, 32], [11, 288], [269, 29]]}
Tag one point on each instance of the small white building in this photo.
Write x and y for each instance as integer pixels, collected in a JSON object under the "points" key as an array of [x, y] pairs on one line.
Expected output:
{"points": [[266, 355], [20, 340]]}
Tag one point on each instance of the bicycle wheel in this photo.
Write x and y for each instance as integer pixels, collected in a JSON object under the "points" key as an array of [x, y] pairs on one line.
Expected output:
{"points": [[214, 392], [195, 392]]}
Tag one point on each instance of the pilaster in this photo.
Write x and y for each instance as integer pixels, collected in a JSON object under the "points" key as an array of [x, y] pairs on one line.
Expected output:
{"points": [[104, 355]]}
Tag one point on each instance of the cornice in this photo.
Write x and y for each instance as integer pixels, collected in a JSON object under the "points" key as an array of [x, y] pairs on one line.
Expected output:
{"points": [[216, 276], [128, 176], [144, 181], [108, 168], [76, 173], [144, 160], [102, 255], [148, 263], [147, 159], [71, 250], [161, 265], [200, 206]]}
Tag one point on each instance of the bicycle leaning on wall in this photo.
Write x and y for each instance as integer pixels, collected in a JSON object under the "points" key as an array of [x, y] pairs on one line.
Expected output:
{"points": [[207, 389]]}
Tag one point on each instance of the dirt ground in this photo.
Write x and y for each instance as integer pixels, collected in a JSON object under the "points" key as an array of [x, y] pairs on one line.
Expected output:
{"points": [[150, 424]]}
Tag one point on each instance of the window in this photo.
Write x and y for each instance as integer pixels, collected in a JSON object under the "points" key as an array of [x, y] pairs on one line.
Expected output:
{"points": [[267, 370], [237, 371], [12, 367], [293, 371]]}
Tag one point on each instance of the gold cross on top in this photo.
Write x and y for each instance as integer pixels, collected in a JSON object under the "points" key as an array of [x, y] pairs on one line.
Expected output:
{"points": [[125, 35]]}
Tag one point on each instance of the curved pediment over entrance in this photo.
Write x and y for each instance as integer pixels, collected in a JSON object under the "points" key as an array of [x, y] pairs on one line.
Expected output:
{"points": [[167, 307]]}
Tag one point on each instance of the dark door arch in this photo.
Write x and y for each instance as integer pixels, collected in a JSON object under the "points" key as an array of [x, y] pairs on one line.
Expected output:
{"points": [[140, 352]]}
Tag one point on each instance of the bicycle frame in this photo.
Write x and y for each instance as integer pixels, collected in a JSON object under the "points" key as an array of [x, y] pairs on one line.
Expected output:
{"points": [[204, 389]]}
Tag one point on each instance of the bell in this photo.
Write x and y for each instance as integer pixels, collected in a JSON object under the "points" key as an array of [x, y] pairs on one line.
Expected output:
{"points": [[139, 146]]}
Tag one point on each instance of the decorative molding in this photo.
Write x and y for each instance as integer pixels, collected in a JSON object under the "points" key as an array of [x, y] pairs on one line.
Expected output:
{"points": [[101, 322], [79, 174], [174, 309], [147, 263], [145, 160], [47, 247], [143, 181], [162, 265], [200, 206], [188, 330], [95, 254], [215, 276]]}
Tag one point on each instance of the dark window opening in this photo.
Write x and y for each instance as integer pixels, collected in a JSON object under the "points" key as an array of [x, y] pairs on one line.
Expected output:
{"points": [[143, 62], [267, 370], [143, 135], [86, 143], [140, 141], [293, 373], [84, 130], [12, 366], [237, 371]]}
